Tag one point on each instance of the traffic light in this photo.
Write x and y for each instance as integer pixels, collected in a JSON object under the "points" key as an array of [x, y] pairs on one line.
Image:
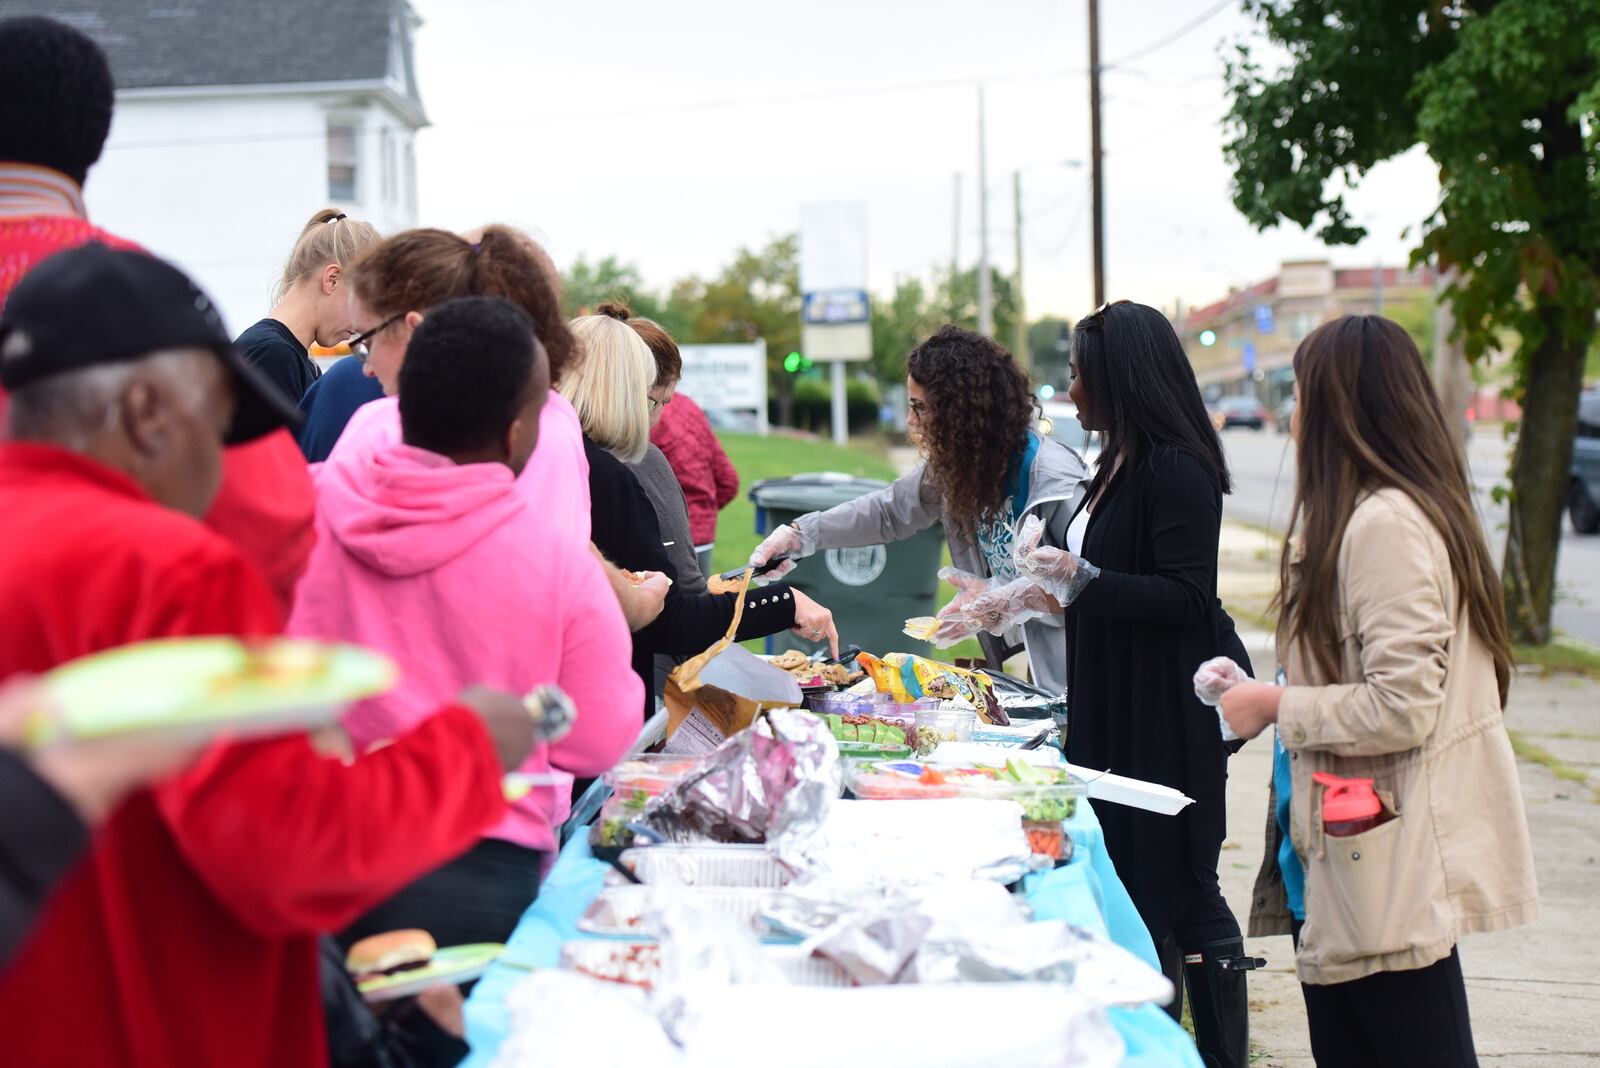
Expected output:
{"points": [[1208, 338], [1046, 391], [792, 362]]}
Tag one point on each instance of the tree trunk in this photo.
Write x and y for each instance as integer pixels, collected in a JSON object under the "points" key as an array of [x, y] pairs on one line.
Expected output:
{"points": [[1452, 374], [1539, 473]]}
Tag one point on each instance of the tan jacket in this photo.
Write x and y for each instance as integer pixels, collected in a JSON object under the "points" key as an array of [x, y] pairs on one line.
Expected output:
{"points": [[1416, 709]]}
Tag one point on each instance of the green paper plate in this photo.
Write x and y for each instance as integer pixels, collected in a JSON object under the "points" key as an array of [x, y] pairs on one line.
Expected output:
{"points": [[197, 687], [457, 964]]}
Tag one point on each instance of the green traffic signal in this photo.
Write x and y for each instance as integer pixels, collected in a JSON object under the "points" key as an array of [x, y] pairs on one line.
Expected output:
{"points": [[1208, 338], [791, 362]]}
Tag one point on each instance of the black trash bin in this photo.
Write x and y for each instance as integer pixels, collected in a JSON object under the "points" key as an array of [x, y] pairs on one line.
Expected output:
{"points": [[871, 591]]}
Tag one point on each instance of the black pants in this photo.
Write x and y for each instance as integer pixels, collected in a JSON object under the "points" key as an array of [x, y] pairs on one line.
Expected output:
{"points": [[1206, 921], [1410, 1019], [477, 897]]}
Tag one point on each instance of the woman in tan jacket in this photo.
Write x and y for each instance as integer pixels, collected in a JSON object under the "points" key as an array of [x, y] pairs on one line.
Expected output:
{"points": [[1393, 642]]}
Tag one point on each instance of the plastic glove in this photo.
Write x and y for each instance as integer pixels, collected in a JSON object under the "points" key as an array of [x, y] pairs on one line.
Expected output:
{"points": [[1061, 572], [1003, 607], [968, 587], [957, 628], [1213, 679], [785, 541]]}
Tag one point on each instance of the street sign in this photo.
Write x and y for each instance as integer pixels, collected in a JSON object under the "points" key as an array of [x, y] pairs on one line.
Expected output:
{"points": [[726, 377], [829, 307], [1264, 322], [1249, 354]]}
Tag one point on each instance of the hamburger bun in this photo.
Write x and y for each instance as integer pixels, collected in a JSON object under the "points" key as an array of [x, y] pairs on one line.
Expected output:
{"points": [[388, 952]]}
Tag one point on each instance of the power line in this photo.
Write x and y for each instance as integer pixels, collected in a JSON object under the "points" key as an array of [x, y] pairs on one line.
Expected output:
{"points": [[1187, 28], [637, 112]]}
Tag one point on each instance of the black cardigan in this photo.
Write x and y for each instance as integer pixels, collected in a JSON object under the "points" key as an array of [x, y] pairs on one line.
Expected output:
{"points": [[624, 528], [1135, 636]]}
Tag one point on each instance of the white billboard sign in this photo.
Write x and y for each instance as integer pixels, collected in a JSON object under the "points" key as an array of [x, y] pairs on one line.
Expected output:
{"points": [[727, 377]]}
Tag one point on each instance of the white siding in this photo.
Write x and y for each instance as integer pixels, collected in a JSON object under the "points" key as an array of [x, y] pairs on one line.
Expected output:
{"points": [[222, 185]]}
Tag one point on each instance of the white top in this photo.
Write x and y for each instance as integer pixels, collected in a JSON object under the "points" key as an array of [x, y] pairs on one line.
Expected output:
{"points": [[1080, 523]]}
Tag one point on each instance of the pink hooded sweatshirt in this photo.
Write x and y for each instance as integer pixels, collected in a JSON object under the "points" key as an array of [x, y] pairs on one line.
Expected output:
{"points": [[556, 474], [448, 569]]}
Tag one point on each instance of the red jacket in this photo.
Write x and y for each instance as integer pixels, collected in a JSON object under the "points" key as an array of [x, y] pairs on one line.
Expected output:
{"points": [[704, 471], [265, 505], [188, 935]]}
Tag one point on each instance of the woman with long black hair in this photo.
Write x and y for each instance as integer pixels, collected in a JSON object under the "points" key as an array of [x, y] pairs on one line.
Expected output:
{"points": [[1141, 615]]}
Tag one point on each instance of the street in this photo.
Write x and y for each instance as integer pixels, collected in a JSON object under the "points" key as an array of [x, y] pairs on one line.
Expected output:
{"points": [[1262, 464]]}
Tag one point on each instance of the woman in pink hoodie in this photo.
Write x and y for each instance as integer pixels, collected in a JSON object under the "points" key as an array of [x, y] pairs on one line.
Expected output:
{"points": [[427, 552]]}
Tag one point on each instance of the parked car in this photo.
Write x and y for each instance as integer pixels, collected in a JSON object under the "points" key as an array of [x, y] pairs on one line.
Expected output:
{"points": [[1060, 421], [1239, 411], [1583, 489], [1285, 414], [736, 420]]}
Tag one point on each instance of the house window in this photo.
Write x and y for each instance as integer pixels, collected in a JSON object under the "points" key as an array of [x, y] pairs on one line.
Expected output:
{"points": [[342, 160]]}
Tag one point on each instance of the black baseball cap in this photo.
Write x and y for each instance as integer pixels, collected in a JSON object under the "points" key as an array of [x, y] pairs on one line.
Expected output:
{"points": [[96, 305]]}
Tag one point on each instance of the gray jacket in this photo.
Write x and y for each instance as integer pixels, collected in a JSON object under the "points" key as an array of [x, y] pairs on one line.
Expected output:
{"points": [[910, 504], [666, 496]]}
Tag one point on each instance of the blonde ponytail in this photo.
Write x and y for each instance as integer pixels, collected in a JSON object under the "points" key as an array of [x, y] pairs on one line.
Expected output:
{"points": [[330, 237]]}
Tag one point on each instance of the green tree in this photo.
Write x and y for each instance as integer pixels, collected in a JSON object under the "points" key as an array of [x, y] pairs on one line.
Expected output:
{"points": [[1049, 346], [899, 325], [1504, 95], [958, 300], [756, 296]]}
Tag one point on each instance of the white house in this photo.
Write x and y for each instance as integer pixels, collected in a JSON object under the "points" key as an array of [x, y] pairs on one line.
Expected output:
{"points": [[237, 119]]}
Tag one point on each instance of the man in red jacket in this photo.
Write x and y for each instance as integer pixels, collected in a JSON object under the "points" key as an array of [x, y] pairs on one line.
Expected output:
{"points": [[188, 935], [55, 111], [709, 481]]}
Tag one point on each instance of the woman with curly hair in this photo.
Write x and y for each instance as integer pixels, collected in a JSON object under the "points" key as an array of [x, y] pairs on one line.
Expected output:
{"points": [[986, 468]]}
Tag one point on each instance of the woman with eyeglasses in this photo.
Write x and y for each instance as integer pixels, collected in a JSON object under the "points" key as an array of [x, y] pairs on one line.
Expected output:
{"points": [[312, 302], [611, 390], [985, 469], [1143, 547]]}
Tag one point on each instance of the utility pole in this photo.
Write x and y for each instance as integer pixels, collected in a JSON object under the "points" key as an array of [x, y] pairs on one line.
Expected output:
{"points": [[955, 240], [985, 283], [1097, 207], [1019, 346]]}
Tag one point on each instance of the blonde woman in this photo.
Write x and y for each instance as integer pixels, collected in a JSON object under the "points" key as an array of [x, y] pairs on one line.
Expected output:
{"points": [[312, 302], [610, 389]]}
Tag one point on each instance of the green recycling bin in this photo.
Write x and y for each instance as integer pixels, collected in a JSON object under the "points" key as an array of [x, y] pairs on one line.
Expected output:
{"points": [[872, 590]]}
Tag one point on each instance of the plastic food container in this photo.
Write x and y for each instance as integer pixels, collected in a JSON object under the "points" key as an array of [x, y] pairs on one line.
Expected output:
{"points": [[624, 911], [638, 963], [650, 773], [935, 726], [883, 780], [706, 865], [877, 705], [873, 751]]}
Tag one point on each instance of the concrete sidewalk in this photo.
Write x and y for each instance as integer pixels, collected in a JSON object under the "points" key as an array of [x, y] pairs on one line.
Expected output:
{"points": [[1534, 1001]]}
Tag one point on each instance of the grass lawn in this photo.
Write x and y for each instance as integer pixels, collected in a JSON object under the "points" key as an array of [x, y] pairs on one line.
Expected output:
{"points": [[757, 458]]}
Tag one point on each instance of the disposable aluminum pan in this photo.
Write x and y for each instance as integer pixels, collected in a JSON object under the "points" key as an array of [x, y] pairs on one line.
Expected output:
{"points": [[706, 865]]}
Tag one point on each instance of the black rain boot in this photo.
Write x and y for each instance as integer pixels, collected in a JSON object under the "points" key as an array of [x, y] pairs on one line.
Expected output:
{"points": [[1171, 958], [1219, 1004]]}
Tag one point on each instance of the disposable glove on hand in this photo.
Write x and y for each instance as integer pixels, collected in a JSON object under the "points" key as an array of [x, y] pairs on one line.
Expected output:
{"points": [[1060, 572], [1005, 606], [784, 541], [1213, 679]]}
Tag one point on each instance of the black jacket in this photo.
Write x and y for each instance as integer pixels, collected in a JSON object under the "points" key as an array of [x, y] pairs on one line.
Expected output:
{"points": [[624, 528], [1135, 636], [40, 839]]}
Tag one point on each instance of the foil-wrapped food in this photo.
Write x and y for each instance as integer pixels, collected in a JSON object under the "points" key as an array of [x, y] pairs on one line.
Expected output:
{"points": [[778, 777]]}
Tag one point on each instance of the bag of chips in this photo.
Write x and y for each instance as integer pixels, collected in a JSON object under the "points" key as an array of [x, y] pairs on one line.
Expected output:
{"points": [[907, 677]]}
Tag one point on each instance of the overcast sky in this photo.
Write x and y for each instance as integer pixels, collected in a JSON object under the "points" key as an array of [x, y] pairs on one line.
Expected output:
{"points": [[669, 135]]}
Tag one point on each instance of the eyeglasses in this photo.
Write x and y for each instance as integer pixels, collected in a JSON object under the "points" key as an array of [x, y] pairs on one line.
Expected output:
{"points": [[918, 408], [358, 341], [655, 402]]}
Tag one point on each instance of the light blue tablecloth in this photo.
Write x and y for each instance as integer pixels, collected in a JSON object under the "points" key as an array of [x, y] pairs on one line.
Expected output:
{"points": [[1085, 892]]}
